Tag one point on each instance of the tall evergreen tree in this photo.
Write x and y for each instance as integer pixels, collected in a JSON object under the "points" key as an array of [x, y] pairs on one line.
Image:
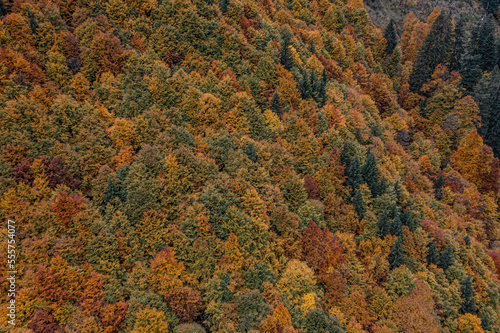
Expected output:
{"points": [[384, 224], [391, 37], [467, 289], [304, 85], [286, 59], [446, 258], [223, 5], [470, 71], [354, 177], [407, 220], [33, 22], [276, 105], [397, 226], [370, 173], [3, 9], [359, 204], [251, 153], [485, 323], [487, 96], [438, 187], [435, 50], [396, 257], [314, 84], [433, 254], [483, 44], [312, 48], [345, 156], [458, 47], [322, 89], [491, 6]]}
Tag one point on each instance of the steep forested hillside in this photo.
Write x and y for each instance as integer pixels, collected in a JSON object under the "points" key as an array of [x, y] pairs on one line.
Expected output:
{"points": [[250, 166]]}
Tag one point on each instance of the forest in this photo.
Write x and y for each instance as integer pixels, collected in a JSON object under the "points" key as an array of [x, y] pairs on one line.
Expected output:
{"points": [[274, 166]]}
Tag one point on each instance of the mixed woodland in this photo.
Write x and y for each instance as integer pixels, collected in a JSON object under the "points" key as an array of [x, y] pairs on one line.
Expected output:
{"points": [[271, 166]]}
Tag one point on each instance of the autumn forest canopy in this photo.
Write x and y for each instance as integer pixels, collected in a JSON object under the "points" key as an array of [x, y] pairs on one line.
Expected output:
{"points": [[273, 166]]}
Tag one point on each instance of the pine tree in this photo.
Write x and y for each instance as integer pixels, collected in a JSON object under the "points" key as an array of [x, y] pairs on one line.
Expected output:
{"points": [[359, 204], [345, 156], [433, 254], [33, 22], [468, 305], [286, 59], [435, 50], [458, 47], [322, 89], [312, 48], [438, 186], [397, 226], [487, 96], [398, 191], [314, 84], [3, 9], [384, 224], [304, 85], [470, 71], [446, 258], [407, 220], [381, 187], [391, 37], [370, 173], [485, 323], [223, 5], [276, 105], [491, 6], [354, 177], [251, 153], [482, 44], [396, 257]]}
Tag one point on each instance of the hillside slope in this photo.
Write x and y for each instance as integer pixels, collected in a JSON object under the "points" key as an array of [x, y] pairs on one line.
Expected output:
{"points": [[238, 166]]}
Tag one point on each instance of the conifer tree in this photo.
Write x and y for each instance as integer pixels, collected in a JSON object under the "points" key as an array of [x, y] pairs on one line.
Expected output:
{"points": [[482, 44], [446, 258], [485, 323], [384, 224], [391, 37], [470, 71], [312, 48], [314, 84], [397, 226], [286, 59], [407, 220], [433, 254], [487, 96], [251, 153], [467, 290], [396, 257], [435, 50], [354, 177], [458, 47], [370, 173], [322, 89], [276, 105], [223, 5], [3, 9], [304, 85], [438, 186], [359, 204], [491, 6], [33, 22]]}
